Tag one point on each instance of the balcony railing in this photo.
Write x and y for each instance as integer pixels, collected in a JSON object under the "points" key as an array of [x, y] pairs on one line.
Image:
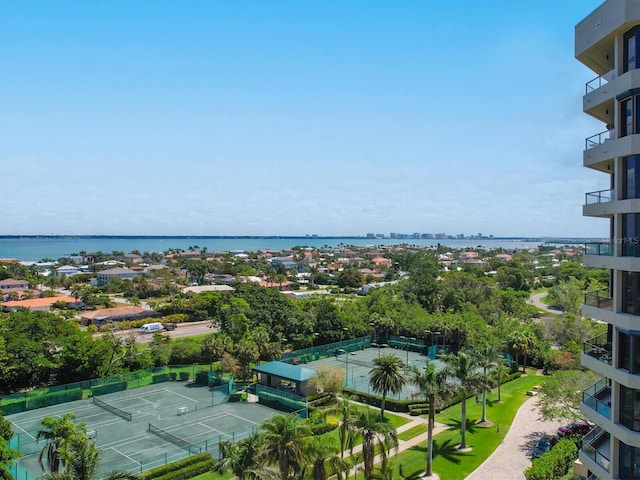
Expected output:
{"points": [[599, 81], [598, 397], [601, 196], [593, 476], [598, 348], [597, 139], [595, 445], [599, 299], [599, 248]]}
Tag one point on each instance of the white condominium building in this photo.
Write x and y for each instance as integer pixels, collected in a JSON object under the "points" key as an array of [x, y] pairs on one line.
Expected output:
{"points": [[608, 43]]}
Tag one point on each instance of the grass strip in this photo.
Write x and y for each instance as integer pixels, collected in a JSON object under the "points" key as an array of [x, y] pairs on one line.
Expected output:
{"points": [[413, 432]]}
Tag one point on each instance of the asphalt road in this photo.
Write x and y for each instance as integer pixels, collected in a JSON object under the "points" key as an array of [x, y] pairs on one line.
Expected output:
{"points": [[183, 330]]}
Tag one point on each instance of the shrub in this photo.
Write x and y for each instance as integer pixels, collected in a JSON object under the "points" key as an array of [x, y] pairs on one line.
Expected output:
{"points": [[202, 378], [184, 376], [201, 462], [160, 378], [553, 464]]}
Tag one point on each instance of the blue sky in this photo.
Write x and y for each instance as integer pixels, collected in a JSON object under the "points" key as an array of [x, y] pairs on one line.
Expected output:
{"points": [[294, 117]]}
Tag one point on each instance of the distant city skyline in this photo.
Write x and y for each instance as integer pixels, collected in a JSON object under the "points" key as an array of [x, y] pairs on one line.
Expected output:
{"points": [[261, 118]]}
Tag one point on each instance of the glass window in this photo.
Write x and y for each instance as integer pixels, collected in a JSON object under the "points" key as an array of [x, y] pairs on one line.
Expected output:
{"points": [[630, 408], [626, 110], [631, 45], [631, 235], [631, 289], [631, 185], [624, 346], [629, 462]]}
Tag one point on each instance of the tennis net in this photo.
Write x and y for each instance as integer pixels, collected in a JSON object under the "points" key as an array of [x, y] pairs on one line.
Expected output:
{"points": [[115, 410], [362, 363], [190, 447]]}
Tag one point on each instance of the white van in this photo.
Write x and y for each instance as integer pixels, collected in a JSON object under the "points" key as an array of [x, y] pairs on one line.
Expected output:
{"points": [[151, 327]]}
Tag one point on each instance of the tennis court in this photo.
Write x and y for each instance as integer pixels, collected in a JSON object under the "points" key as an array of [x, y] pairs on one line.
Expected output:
{"points": [[358, 364], [146, 427]]}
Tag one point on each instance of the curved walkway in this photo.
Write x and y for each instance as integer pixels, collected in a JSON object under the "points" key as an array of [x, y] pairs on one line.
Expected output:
{"points": [[536, 300], [513, 455]]}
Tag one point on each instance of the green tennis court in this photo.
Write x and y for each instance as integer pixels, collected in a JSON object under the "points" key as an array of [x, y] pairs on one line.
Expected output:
{"points": [[145, 427], [358, 365]]}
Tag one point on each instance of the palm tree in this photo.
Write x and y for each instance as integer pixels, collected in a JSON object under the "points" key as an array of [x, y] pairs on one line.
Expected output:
{"points": [[500, 374], [387, 377], [322, 452], [82, 458], [522, 341], [488, 358], [375, 430], [346, 431], [57, 432], [462, 366], [313, 273], [240, 457], [283, 437], [433, 385]]}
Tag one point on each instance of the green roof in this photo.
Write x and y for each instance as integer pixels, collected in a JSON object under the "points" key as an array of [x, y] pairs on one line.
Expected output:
{"points": [[286, 371]]}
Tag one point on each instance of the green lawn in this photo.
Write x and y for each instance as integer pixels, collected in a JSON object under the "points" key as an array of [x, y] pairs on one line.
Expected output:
{"points": [[546, 300], [540, 290], [413, 432], [213, 476], [454, 465]]}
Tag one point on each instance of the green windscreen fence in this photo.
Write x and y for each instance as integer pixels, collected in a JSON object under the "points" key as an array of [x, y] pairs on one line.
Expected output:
{"points": [[281, 400], [408, 343], [315, 353], [58, 394]]}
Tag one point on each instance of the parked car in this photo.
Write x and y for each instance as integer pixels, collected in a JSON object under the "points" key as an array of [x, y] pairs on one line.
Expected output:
{"points": [[575, 428], [544, 445]]}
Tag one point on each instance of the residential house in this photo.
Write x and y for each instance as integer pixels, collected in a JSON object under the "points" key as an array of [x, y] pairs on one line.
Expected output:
{"points": [[104, 276], [39, 304]]}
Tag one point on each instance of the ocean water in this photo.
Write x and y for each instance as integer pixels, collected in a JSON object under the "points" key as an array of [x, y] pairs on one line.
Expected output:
{"points": [[39, 248]]}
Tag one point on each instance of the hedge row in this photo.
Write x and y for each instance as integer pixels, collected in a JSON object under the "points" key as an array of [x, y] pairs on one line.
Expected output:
{"points": [[323, 428], [42, 400], [553, 464], [108, 388], [181, 469]]}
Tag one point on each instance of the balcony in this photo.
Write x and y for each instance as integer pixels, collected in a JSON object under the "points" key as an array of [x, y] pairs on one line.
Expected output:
{"points": [[597, 139], [601, 196], [599, 81], [599, 248], [596, 446], [598, 348], [598, 397], [599, 299]]}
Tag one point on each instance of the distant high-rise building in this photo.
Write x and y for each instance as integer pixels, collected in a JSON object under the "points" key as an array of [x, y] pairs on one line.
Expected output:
{"points": [[608, 42]]}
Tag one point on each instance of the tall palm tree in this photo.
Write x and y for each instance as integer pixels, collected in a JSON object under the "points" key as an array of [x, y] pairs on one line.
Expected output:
{"points": [[283, 437], [488, 358], [463, 367], [57, 432], [82, 458], [375, 430], [433, 385], [387, 377], [346, 432], [500, 374]]}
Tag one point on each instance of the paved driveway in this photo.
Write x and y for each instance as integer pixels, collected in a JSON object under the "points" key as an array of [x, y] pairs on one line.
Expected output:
{"points": [[512, 457]]}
